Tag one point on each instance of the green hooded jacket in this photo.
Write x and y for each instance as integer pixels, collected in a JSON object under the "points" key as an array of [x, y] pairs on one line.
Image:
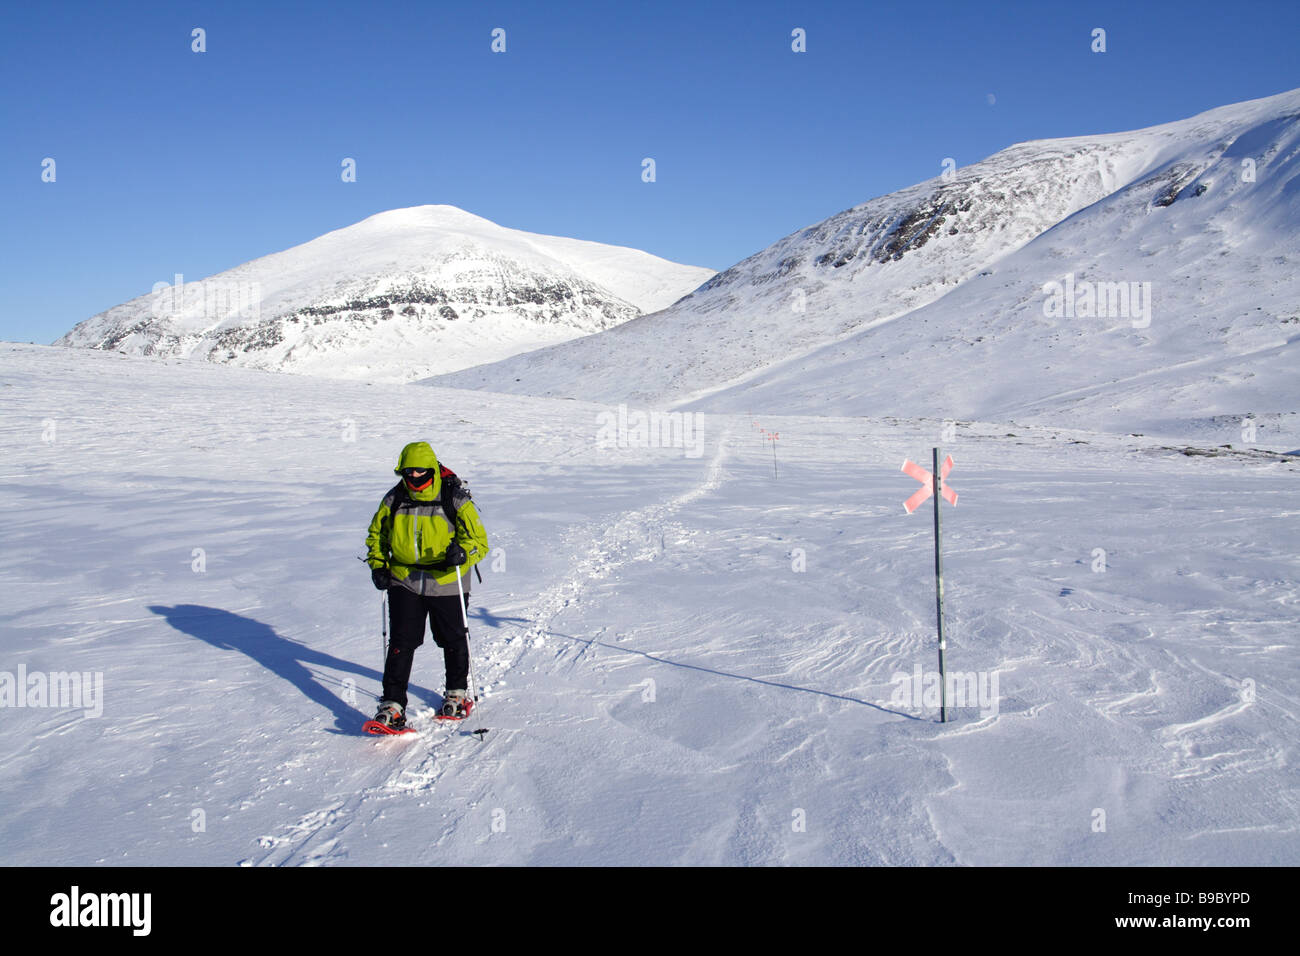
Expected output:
{"points": [[410, 532]]}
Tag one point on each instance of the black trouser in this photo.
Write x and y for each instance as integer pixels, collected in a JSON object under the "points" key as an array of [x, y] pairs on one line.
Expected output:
{"points": [[406, 616]]}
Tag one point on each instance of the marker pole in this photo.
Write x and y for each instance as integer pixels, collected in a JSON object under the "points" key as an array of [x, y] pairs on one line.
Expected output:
{"points": [[938, 593]]}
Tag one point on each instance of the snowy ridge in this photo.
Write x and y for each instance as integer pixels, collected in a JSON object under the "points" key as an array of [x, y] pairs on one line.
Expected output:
{"points": [[945, 280], [400, 295]]}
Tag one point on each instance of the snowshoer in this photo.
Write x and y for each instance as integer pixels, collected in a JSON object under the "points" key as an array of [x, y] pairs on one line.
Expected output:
{"points": [[419, 544]]}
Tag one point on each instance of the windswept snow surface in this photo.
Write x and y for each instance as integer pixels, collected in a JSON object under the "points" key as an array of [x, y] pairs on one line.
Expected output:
{"points": [[662, 685]]}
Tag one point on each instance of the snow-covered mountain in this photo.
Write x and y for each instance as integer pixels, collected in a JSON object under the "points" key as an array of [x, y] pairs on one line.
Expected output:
{"points": [[401, 295], [939, 300]]}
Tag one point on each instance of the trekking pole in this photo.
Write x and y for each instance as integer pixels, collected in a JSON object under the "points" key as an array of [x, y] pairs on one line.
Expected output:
{"points": [[383, 621], [473, 691]]}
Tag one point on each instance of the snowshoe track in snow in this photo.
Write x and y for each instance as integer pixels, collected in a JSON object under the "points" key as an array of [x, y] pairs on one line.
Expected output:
{"points": [[606, 546], [316, 838]]}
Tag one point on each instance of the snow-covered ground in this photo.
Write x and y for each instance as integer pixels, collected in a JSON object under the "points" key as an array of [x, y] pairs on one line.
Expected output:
{"points": [[663, 686]]}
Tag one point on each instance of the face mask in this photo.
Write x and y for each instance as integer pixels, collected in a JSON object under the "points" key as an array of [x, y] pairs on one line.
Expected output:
{"points": [[417, 484]]}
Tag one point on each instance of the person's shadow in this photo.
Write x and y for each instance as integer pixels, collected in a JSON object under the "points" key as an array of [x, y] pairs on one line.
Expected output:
{"points": [[288, 659], [494, 620]]}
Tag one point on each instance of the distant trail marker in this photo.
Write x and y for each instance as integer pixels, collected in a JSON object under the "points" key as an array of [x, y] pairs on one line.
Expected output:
{"points": [[772, 437], [934, 485]]}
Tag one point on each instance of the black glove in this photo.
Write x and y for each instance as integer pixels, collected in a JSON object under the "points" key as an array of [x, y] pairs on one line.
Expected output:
{"points": [[455, 556], [380, 578]]}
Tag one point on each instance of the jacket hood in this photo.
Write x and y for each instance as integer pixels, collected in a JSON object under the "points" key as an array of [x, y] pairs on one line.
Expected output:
{"points": [[419, 454]]}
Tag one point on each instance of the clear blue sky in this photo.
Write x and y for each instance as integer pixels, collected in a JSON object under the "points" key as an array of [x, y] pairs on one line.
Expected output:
{"points": [[172, 161]]}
